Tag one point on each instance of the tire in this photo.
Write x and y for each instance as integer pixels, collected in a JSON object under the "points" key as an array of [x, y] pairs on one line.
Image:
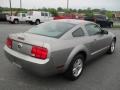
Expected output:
{"points": [[37, 22], [16, 21], [110, 26], [112, 47], [76, 68]]}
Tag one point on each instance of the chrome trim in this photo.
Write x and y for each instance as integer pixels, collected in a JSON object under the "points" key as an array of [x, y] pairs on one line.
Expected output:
{"points": [[99, 50]]}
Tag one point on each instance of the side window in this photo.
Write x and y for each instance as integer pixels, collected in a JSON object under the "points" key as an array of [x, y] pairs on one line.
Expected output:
{"points": [[78, 33], [46, 14], [42, 14], [23, 15], [93, 29], [101, 18]]}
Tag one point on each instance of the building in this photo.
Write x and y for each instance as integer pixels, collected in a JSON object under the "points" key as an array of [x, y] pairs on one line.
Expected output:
{"points": [[116, 15]]}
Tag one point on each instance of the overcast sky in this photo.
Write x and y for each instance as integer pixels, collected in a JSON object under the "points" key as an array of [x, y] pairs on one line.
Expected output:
{"points": [[77, 4]]}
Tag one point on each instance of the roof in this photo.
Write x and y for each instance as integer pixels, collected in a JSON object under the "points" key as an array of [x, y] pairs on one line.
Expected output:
{"points": [[74, 21]]}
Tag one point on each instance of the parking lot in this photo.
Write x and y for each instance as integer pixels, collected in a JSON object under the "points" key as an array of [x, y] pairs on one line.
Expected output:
{"points": [[102, 73]]}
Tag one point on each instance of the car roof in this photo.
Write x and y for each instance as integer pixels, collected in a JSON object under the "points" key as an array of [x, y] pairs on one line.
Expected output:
{"points": [[74, 21]]}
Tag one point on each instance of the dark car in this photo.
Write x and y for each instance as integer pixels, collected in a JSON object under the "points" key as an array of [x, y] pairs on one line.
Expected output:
{"points": [[102, 20], [2, 17]]}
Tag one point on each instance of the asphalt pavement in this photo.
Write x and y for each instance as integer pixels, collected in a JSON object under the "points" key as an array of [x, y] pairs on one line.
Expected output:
{"points": [[102, 73]]}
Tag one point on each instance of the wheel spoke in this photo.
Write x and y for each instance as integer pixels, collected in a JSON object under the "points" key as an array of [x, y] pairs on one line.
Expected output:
{"points": [[112, 46], [77, 68]]}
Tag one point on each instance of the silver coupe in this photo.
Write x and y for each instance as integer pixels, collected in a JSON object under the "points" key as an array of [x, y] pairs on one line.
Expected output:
{"points": [[59, 46]]}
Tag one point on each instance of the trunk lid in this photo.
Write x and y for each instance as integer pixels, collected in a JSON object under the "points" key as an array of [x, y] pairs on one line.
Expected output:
{"points": [[23, 42]]}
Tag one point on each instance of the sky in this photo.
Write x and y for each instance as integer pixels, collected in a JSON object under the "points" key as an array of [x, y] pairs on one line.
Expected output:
{"points": [[74, 4]]}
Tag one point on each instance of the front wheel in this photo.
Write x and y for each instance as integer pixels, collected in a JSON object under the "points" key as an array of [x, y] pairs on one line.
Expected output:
{"points": [[16, 21], [112, 47], [75, 69], [111, 25]]}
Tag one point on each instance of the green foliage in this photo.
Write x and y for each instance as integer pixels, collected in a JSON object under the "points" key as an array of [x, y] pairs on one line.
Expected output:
{"points": [[116, 26], [89, 12], [60, 9], [80, 10], [53, 11], [0, 9], [44, 9], [109, 14]]}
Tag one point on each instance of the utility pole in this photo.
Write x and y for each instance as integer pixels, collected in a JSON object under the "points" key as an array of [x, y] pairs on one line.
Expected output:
{"points": [[20, 4], [67, 4], [10, 8]]}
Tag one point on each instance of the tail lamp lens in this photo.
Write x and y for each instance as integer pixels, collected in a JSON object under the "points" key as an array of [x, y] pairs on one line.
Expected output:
{"points": [[39, 52], [9, 42]]}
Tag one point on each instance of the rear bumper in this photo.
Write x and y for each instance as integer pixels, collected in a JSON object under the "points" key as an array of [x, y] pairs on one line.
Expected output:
{"points": [[37, 66]]}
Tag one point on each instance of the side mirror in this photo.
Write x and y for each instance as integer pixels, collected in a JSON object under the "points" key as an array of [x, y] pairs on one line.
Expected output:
{"points": [[104, 32]]}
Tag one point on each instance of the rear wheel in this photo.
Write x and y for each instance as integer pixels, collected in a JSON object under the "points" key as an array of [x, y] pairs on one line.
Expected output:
{"points": [[37, 22], [16, 21], [75, 69], [112, 47]]}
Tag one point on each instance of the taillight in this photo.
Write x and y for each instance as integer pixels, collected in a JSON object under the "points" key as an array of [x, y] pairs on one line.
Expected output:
{"points": [[9, 42], [39, 52]]}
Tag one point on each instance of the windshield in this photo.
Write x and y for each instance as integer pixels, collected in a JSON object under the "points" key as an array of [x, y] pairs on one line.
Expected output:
{"points": [[51, 29]]}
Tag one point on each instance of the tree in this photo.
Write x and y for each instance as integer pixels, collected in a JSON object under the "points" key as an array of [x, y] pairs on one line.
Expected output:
{"points": [[53, 11], [109, 14], [80, 10], [74, 10], [103, 11], [44, 9], [0, 9], [60, 9], [89, 12]]}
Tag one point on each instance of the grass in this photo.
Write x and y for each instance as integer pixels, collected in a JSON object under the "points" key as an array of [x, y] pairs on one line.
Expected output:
{"points": [[116, 26]]}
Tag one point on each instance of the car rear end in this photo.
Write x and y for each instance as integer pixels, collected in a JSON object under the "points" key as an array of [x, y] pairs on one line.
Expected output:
{"points": [[40, 49], [30, 54]]}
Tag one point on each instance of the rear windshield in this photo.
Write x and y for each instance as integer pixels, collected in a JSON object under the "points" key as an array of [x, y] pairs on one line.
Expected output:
{"points": [[51, 29]]}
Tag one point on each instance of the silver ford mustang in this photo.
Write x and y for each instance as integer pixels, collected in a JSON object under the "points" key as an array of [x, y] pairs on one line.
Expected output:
{"points": [[59, 46]]}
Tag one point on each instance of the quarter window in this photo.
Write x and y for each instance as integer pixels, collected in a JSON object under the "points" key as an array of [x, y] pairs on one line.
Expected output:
{"points": [[46, 14], [78, 33], [93, 29]]}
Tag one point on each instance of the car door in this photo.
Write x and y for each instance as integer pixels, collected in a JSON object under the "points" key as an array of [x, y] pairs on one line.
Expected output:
{"points": [[23, 18], [42, 17], [99, 41], [46, 16]]}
